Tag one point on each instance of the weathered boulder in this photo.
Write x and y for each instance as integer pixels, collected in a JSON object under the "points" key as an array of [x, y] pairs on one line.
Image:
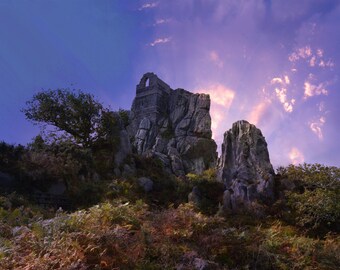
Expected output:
{"points": [[195, 196], [244, 167], [145, 183], [124, 148], [173, 125]]}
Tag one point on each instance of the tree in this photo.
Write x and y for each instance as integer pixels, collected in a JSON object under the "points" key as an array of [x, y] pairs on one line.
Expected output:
{"points": [[75, 113]]}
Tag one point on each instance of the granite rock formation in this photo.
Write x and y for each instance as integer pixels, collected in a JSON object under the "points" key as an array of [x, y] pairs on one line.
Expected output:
{"points": [[244, 167], [173, 125]]}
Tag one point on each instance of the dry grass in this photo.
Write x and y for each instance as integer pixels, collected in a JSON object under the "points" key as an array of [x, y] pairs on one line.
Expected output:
{"points": [[120, 235]]}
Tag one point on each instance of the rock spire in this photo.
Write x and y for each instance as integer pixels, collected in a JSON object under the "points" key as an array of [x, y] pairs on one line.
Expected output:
{"points": [[244, 166], [173, 125]]}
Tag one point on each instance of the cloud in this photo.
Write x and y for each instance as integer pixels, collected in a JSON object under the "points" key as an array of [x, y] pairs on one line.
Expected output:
{"points": [[324, 64], [217, 117], [300, 53], [314, 59], [220, 95], [214, 57], [160, 41], [296, 156], [221, 100], [257, 112], [314, 90], [316, 127], [319, 52], [280, 90], [161, 21], [148, 5], [321, 106], [276, 80]]}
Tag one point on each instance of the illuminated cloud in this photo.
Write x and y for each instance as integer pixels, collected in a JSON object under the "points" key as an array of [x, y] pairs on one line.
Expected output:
{"points": [[217, 117], [305, 52], [319, 52], [221, 100], [276, 80], [160, 41], [281, 92], [316, 127], [313, 59], [324, 64], [314, 90], [295, 156], [287, 81], [300, 53], [214, 57], [148, 6], [257, 112], [220, 94]]}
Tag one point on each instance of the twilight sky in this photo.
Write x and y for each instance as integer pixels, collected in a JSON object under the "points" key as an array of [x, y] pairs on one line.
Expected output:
{"points": [[274, 63]]}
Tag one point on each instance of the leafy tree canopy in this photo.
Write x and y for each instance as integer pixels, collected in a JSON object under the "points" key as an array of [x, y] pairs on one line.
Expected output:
{"points": [[73, 113]]}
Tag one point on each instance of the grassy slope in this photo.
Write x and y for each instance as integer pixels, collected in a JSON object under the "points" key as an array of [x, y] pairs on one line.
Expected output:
{"points": [[123, 235]]}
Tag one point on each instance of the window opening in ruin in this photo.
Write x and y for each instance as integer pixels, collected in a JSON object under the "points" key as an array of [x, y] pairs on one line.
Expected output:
{"points": [[147, 82]]}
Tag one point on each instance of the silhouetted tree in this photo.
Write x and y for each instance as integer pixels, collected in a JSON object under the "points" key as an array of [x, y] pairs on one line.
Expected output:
{"points": [[75, 114]]}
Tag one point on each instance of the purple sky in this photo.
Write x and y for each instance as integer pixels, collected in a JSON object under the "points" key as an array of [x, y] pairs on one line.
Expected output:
{"points": [[273, 63]]}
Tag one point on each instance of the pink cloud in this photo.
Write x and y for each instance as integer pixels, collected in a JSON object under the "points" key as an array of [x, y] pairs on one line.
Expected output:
{"points": [[316, 127], [220, 94], [257, 112], [214, 57], [281, 90], [221, 100], [314, 90], [296, 156]]}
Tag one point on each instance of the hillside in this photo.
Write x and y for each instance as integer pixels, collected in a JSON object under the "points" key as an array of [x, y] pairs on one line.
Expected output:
{"points": [[145, 189]]}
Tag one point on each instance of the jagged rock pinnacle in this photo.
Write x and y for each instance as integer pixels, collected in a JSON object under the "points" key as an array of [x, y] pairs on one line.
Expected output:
{"points": [[244, 166], [174, 125]]}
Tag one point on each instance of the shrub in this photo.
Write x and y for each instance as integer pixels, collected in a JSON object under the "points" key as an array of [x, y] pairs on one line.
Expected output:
{"points": [[211, 190], [315, 201]]}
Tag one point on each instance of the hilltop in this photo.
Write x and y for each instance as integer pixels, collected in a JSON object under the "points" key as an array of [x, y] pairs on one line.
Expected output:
{"points": [[145, 189]]}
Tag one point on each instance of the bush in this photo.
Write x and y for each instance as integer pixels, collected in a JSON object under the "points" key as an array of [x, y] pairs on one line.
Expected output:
{"points": [[10, 155], [211, 190], [315, 201]]}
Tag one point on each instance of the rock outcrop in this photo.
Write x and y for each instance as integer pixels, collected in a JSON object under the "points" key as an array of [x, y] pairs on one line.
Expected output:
{"points": [[173, 125], [244, 167]]}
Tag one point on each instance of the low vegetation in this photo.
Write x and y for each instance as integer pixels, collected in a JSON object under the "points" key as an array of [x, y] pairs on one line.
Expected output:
{"points": [[123, 235], [134, 230]]}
